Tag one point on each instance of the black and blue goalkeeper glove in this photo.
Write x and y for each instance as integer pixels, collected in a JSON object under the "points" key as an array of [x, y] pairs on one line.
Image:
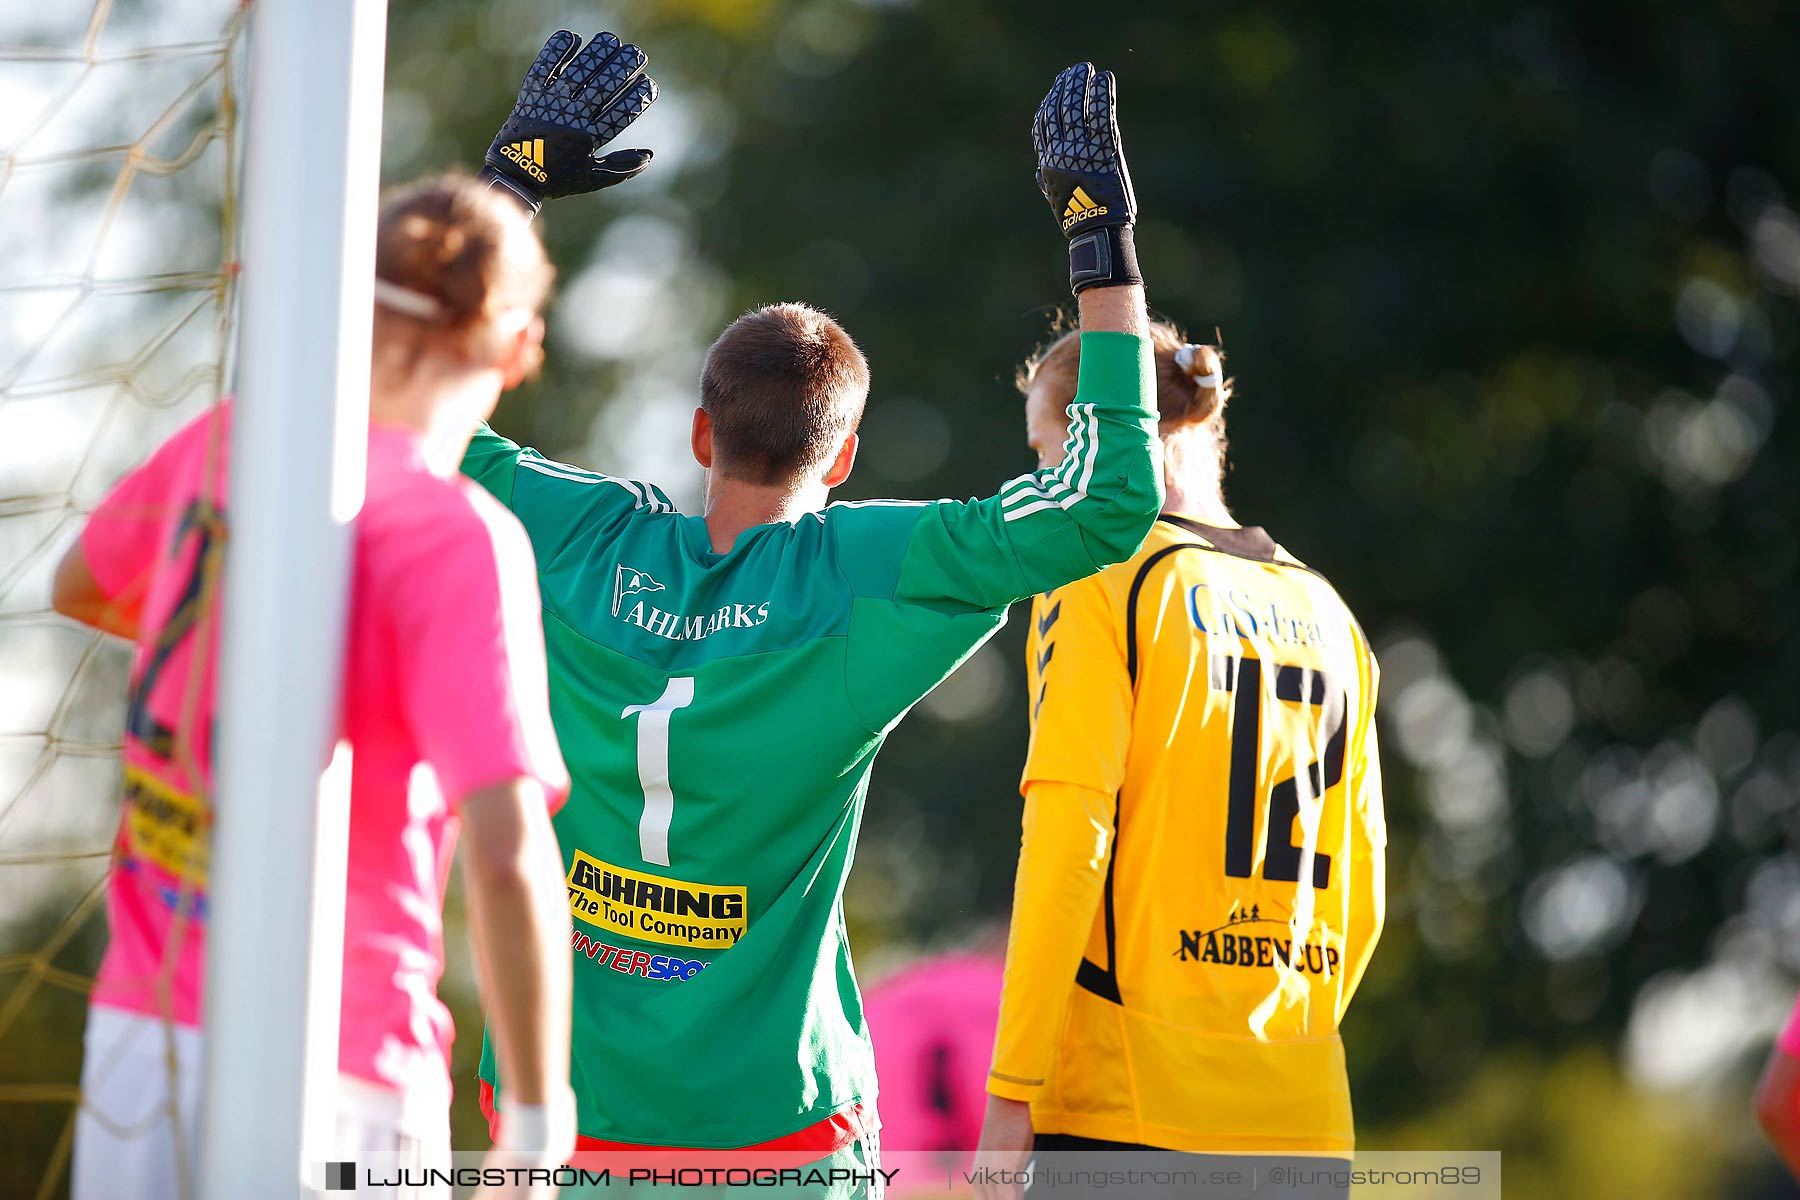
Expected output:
{"points": [[575, 99], [1081, 171]]}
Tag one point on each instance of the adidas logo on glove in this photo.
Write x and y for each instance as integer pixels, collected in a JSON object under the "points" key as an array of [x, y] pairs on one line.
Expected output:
{"points": [[530, 155], [1080, 207]]}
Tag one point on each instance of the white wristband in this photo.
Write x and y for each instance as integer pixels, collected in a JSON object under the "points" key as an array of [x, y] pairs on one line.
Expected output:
{"points": [[544, 1133]]}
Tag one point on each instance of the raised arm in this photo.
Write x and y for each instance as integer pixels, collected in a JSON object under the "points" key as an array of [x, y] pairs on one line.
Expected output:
{"points": [[575, 98], [1057, 525], [564, 508], [960, 564], [493, 462], [1093, 509], [1115, 310]]}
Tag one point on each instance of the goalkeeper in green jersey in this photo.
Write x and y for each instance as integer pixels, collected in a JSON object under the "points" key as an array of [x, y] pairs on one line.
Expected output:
{"points": [[722, 683]]}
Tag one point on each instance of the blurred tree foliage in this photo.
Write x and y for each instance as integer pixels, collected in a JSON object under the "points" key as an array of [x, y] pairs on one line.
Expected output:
{"points": [[1509, 296]]}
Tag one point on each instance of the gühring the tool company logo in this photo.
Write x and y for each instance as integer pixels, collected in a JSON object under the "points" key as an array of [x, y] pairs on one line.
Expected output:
{"points": [[631, 586], [655, 908]]}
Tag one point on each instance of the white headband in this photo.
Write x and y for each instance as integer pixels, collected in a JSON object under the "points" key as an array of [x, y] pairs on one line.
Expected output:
{"points": [[405, 300], [1186, 357], [426, 308]]}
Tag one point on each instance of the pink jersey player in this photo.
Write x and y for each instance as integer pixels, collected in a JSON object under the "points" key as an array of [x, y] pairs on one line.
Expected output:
{"points": [[445, 667], [444, 670], [933, 1028]]}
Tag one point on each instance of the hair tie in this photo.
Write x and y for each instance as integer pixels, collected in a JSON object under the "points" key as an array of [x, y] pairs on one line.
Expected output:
{"points": [[405, 300], [1187, 358]]}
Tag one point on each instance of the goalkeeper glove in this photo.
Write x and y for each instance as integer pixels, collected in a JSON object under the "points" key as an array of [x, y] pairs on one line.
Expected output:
{"points": [[575, 99], [1081, 171]]}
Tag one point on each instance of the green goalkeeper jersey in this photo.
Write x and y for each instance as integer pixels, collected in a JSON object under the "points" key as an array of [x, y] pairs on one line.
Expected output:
{"points": [[720, 713]]}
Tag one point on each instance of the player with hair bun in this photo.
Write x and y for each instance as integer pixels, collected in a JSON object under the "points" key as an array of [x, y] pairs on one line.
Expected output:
{"points": [[444, 668], [1200, 882], [1191, 393]]}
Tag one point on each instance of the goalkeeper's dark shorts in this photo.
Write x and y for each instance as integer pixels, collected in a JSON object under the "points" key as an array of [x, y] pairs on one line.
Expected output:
{"points": [[1064, 1165]]}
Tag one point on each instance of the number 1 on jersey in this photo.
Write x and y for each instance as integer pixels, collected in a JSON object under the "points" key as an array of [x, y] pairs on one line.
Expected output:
{"points": [[653, 767]]}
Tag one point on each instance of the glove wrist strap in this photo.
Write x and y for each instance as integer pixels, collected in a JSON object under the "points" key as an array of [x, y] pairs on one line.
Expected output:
{"points": [[1103, 257], [497, 180]]}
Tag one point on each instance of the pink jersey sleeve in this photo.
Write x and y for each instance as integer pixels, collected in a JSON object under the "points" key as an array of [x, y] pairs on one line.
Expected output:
{"points": [[124, 533], [471, 654], [1789, 1041]]}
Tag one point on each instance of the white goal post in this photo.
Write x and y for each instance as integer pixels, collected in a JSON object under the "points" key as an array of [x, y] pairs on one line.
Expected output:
{"points": [[312, 147]]}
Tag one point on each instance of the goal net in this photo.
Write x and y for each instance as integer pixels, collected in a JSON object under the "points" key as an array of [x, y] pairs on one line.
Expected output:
{"points": [[118, 177]]}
